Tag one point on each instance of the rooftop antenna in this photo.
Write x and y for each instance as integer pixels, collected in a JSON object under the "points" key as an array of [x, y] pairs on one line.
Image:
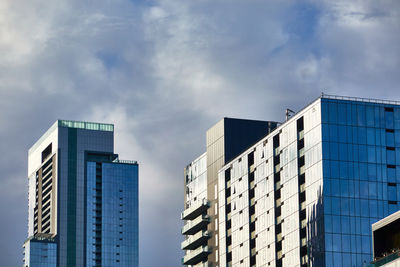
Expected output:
{"points": [[289, 113]]}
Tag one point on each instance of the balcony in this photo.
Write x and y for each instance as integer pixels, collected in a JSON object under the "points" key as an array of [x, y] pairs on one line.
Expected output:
{"points": [[195, 210], [192, 227], [302, 170], [252, 168], [196, 256], [301, 152], [194, 241], [300, 135]]}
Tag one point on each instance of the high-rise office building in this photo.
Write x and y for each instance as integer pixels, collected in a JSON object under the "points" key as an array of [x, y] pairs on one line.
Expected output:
{"points": [[224, 141], [83, 200], [307, 193]]}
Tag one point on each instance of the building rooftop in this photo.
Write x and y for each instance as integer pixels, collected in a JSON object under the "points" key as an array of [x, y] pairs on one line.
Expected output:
{"points": [[361, 99], [41, 237], [86, 125], [74, 124]]}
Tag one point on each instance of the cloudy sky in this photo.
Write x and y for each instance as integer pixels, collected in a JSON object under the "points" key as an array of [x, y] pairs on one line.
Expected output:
{"points": [[164, 72]]}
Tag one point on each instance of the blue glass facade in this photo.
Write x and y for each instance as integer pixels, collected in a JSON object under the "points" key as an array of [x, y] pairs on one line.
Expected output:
{"points": [[112, 214], [361, 175], [40, 253]]}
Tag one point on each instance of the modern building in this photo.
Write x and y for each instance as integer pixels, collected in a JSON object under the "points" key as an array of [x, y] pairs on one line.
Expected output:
{"points": [[42, 251], [307, 193], [224, 141], [386, 241], [82, 198]]}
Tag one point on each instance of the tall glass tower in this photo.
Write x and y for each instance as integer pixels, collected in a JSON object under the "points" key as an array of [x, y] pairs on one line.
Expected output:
{"points": [[307, 193], [83, 200]]}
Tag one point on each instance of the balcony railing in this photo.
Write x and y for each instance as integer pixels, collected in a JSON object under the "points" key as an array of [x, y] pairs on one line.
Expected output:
{"points": [[192, 227], [195, 256], [384, 260], [195, 210], [196, 240]]}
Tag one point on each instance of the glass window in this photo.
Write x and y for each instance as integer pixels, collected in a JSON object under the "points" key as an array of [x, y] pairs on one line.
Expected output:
{"points": [[358, 228], [397, 156], [325, 150], [334, 151], [372, 190], [326, 168], [362, 155], [345, 221], [329, 256], [346, 247], [343, 152], [349, 133], [370, 110], [373, 208], [366, 246], [362, 135], [335, 186], [392, 208], [371, 136], [397, 138], [337, 259], [383, 137], [371, 154], [356, 188], [342, 111], [334, 169], [353, 226], [344, 206], [391, 175], [396, 118], [378, 116], [337, 242], [389, 138], [348, 115], [363, 171], [328, 223], [344, 188], [343, 169], [372, 171], [327, 205], [364, 208], [333, 112], [355, 152], [380, 209], [361, 115], [328, 242], [390, 157], [324, 112], [398, 174], [354, 115], [351, 188], [335, 206], [342, 131], [365, 226], [392, 193], [333, 133], [378, 137], [389, 120]]}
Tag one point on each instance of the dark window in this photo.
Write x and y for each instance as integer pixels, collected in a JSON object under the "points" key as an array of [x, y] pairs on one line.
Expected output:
{"points": [[46, 152]]}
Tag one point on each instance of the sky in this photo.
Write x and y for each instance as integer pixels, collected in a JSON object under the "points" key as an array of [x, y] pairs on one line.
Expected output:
{"points": [[163, 72]]}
